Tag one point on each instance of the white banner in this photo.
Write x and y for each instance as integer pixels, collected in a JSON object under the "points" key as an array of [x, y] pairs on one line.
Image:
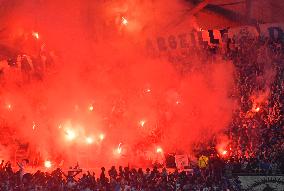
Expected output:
{"points": [[181, 161]]}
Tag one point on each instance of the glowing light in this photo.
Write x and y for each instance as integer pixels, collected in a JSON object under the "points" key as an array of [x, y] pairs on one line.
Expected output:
{"points": [[119, 149], [36, 35], [148, 90], [34, 125], [91, 108], [9, 106], [177, 102], [159, 150], [257, 109], [47, 164], [124, 21], [224, 152], [89, 140], [70, 134], [102, 136], [59, 126], [142, 123]]}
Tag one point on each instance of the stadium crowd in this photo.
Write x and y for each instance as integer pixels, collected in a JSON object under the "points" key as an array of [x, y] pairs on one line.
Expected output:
{"points": [[113, 179], [256, 132], [256, 135]]}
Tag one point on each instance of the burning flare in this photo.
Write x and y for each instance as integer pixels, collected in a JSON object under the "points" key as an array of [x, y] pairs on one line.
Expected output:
{"points": [[124, 21], [159, 150], [142, 123], [91, 108], [119, 149], [36, 35], [89, 140], [70, 134], [102, 136], [47, 164]]}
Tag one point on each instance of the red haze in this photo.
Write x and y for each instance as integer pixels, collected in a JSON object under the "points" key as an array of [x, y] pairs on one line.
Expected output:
{"points": [[103, 65]]}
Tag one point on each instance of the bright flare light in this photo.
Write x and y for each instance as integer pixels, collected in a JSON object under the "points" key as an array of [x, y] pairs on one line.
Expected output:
{"points": [[34, 125], [119, 148], [36, 35], [70, 134], [102, 136], [124, 21], [257, 109], [9, 106], [89, 140], [159, 150], [47, 164], [224, 152], [91, 108], [142, 123]]}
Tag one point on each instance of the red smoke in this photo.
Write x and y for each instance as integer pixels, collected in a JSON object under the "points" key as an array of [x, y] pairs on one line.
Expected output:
{"points": [[93, 101]]}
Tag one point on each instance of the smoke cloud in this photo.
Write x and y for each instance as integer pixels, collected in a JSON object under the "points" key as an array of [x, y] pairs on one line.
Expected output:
{"points": [[103, 86]]}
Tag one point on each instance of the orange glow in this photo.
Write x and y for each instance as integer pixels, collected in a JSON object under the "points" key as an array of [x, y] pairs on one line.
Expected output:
{"points": [[91, 108], [34, 125], [102, 136], [9, 106], [90, 90], [89, 140], [224, 152], [47, 164]]}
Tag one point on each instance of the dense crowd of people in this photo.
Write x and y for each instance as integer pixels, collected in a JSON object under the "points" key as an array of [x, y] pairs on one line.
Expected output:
{"points": [[115, 179], [256, 131]]}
